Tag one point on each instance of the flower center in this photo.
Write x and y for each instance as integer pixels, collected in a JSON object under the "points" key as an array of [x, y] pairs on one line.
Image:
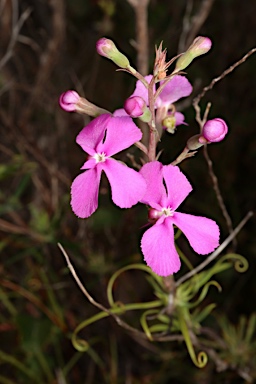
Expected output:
{"points": [[100, 157], [168, 211]]}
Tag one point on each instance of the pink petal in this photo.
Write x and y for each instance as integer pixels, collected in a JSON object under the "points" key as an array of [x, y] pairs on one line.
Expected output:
{"points": [[178, 87], [84, 193], [121, 133], [155, 192], [180, 119], [120, 112], [202, 233], [127, 185], [178, 186], [158, 248], [141, 90], [93, 133]]}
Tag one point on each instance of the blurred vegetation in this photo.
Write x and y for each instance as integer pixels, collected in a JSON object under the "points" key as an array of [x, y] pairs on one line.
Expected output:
{"points": [[47, 47]]}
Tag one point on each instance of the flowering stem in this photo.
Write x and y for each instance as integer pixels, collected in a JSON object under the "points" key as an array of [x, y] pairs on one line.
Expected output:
{"points": [[152, 123], [136, 74]]}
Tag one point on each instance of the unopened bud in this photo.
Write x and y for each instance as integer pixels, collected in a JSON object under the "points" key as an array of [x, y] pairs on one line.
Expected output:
{"points": [[200, 46], [135, 106], [70, 101], [214, 131], [154, 215], [106, 47], [193, 143]]}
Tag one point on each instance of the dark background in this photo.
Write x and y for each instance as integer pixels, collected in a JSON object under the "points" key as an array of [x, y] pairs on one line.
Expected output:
{"points": [[54, 50]]}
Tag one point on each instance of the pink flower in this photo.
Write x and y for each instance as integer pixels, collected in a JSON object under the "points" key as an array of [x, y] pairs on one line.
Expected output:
{"points": [[175, 89], [101, 138], [214, 131], [167, 187]]}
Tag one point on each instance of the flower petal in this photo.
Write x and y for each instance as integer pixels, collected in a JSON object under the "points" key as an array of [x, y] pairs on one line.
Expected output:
{"points": [[93, 133], [127, 185], [120, 112], [202, 233], [178, 87], [158, 248], [84, 193], [180, 119], [155, 192], [178, 186], [121, 133]]}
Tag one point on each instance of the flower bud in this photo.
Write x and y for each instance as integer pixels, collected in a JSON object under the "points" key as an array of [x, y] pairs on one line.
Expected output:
{"points": [[193, 143], [70, 101], [200, 46], [135, 106], [154, 215], [106, 47], [214, 131]]}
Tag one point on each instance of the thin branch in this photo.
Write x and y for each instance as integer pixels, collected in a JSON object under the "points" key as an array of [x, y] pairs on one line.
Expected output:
{"points": [[102, 308], [219, 195], [141, 13], [16, 27], [217, 252], [192, 25], [224, 74]]}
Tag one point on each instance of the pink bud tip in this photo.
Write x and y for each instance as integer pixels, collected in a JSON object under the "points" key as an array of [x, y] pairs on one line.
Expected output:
{"points": [[214, 130], [203, 43], [154, 215], [134, 106], [105, 46], [68, 100]]}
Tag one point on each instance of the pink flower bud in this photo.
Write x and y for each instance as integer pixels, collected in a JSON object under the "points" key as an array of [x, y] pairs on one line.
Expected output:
{"points": [[154, 215], [68, 100], [135, 106], [106, 47], [200, 46], [214, 130]]}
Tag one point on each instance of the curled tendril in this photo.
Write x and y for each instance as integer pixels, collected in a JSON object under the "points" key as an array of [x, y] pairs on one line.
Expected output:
{"points": [[205, 291], [201, 359], [113, 278], [80, 344], [241, 264]]}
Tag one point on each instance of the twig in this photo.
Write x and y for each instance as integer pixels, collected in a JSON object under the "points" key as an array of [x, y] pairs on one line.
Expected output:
{"points": [[48, 57], [141, 13], [217, 252], [192, 27], [102, 308], [16, 27], [218, 194], [224, 74]]}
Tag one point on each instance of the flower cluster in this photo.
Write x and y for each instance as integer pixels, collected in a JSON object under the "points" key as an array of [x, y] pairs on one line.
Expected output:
{"points": [[162, 188]]}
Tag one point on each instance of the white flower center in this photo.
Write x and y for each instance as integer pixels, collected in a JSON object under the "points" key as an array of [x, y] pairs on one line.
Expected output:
{"points": [[168, 211], [100, 157]]}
